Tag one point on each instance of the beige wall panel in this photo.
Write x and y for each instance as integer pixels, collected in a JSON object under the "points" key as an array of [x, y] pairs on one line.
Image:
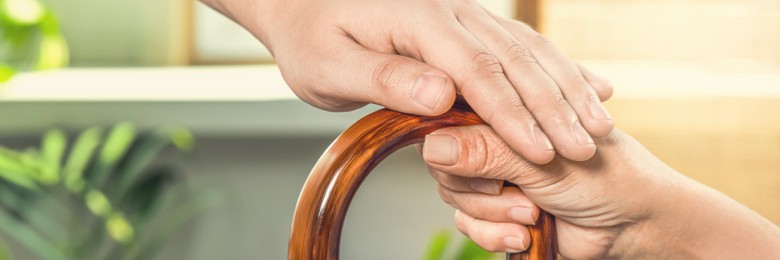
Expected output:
{"points": [[730, 144], [695, 30]]}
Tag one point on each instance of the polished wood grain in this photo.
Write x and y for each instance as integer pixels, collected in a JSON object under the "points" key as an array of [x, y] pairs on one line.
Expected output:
{"points": [[325, 198]]}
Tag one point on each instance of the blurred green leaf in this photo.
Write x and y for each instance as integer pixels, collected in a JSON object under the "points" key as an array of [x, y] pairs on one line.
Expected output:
{"points": [[468, 250], [471, 251], [14, 201], [33, 214], [13, 171], [119, 228], [28, 237], [437, 245], [33, 166], [23, 12], [52, 148], [175, 216], [53, 50], [145, 152], [5, 254], [116, 145], [80, 154], [30, 38], [182, 138], [97, 203], [143, 197], [6, 73], [70, 217], [8, 152], [117, 142]]}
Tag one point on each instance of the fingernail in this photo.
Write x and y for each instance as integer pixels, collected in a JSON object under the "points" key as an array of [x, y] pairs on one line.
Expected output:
{"points": [[440, 149], [597, 111], [514, 244], [523, 215], [428, 89], [485, 186], [541, 139], [581, 135]]}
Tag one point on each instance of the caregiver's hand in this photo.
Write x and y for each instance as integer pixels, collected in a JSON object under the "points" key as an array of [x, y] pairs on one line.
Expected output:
{"points": [[622, 203], [413, 56]]}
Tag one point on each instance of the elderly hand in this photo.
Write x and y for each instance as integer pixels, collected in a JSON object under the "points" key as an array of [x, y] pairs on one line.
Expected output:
{"points": [[413, 56], [623, 202]]}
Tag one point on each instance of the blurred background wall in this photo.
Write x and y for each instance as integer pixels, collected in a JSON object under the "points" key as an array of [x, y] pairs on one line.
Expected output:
{"points": [[697, 81], [126, 33]]}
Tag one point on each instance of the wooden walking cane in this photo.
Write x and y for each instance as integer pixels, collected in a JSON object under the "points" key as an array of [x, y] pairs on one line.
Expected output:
{"points": [[325, 198]]}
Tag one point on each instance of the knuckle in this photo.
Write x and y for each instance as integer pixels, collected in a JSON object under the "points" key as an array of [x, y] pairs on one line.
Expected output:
{"points": [[385, 74], [504, 160], [519, 106], [519, 54], [559, 98], [479, 154], [488, 155], [487, 65]]}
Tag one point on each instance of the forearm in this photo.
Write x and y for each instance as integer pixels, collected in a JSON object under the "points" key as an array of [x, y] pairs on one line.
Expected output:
{"points": [[698, 222], [719, 227]]}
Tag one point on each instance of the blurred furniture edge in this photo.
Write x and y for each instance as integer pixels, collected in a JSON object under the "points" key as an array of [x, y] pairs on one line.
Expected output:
{"points": [[212, 101]]}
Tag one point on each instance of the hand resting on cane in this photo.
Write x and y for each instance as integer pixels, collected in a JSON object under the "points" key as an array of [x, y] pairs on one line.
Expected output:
{"points": [[622, 203]]}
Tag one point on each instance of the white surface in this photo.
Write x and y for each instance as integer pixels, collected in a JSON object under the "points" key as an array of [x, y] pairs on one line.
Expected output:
{"points": [[227, 83], [264, 82], [661, 79], [505, 8]]}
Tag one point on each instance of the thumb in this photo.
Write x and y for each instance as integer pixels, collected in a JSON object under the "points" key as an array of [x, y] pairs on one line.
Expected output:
{"points": [[393, 81], [477, 152]]}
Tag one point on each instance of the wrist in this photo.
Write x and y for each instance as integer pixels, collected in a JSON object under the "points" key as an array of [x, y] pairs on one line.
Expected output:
{"points": [[689, 220], [659, 220]]}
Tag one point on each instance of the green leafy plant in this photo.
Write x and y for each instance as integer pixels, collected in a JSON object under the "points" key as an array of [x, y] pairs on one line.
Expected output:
{"points": [[30, 38], [97, 198], [468, 250]]}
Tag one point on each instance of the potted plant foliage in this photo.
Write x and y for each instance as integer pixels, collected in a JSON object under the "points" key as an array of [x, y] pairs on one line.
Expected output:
{"points": [[441, 247], [97, 198], [30, 38]]}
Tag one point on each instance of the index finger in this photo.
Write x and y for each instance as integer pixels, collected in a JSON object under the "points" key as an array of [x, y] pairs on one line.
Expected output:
{"points": [[480, 78]]}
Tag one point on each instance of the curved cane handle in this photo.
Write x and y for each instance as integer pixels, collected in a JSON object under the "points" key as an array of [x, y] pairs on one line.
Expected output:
{"points": [[325, 198]]}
